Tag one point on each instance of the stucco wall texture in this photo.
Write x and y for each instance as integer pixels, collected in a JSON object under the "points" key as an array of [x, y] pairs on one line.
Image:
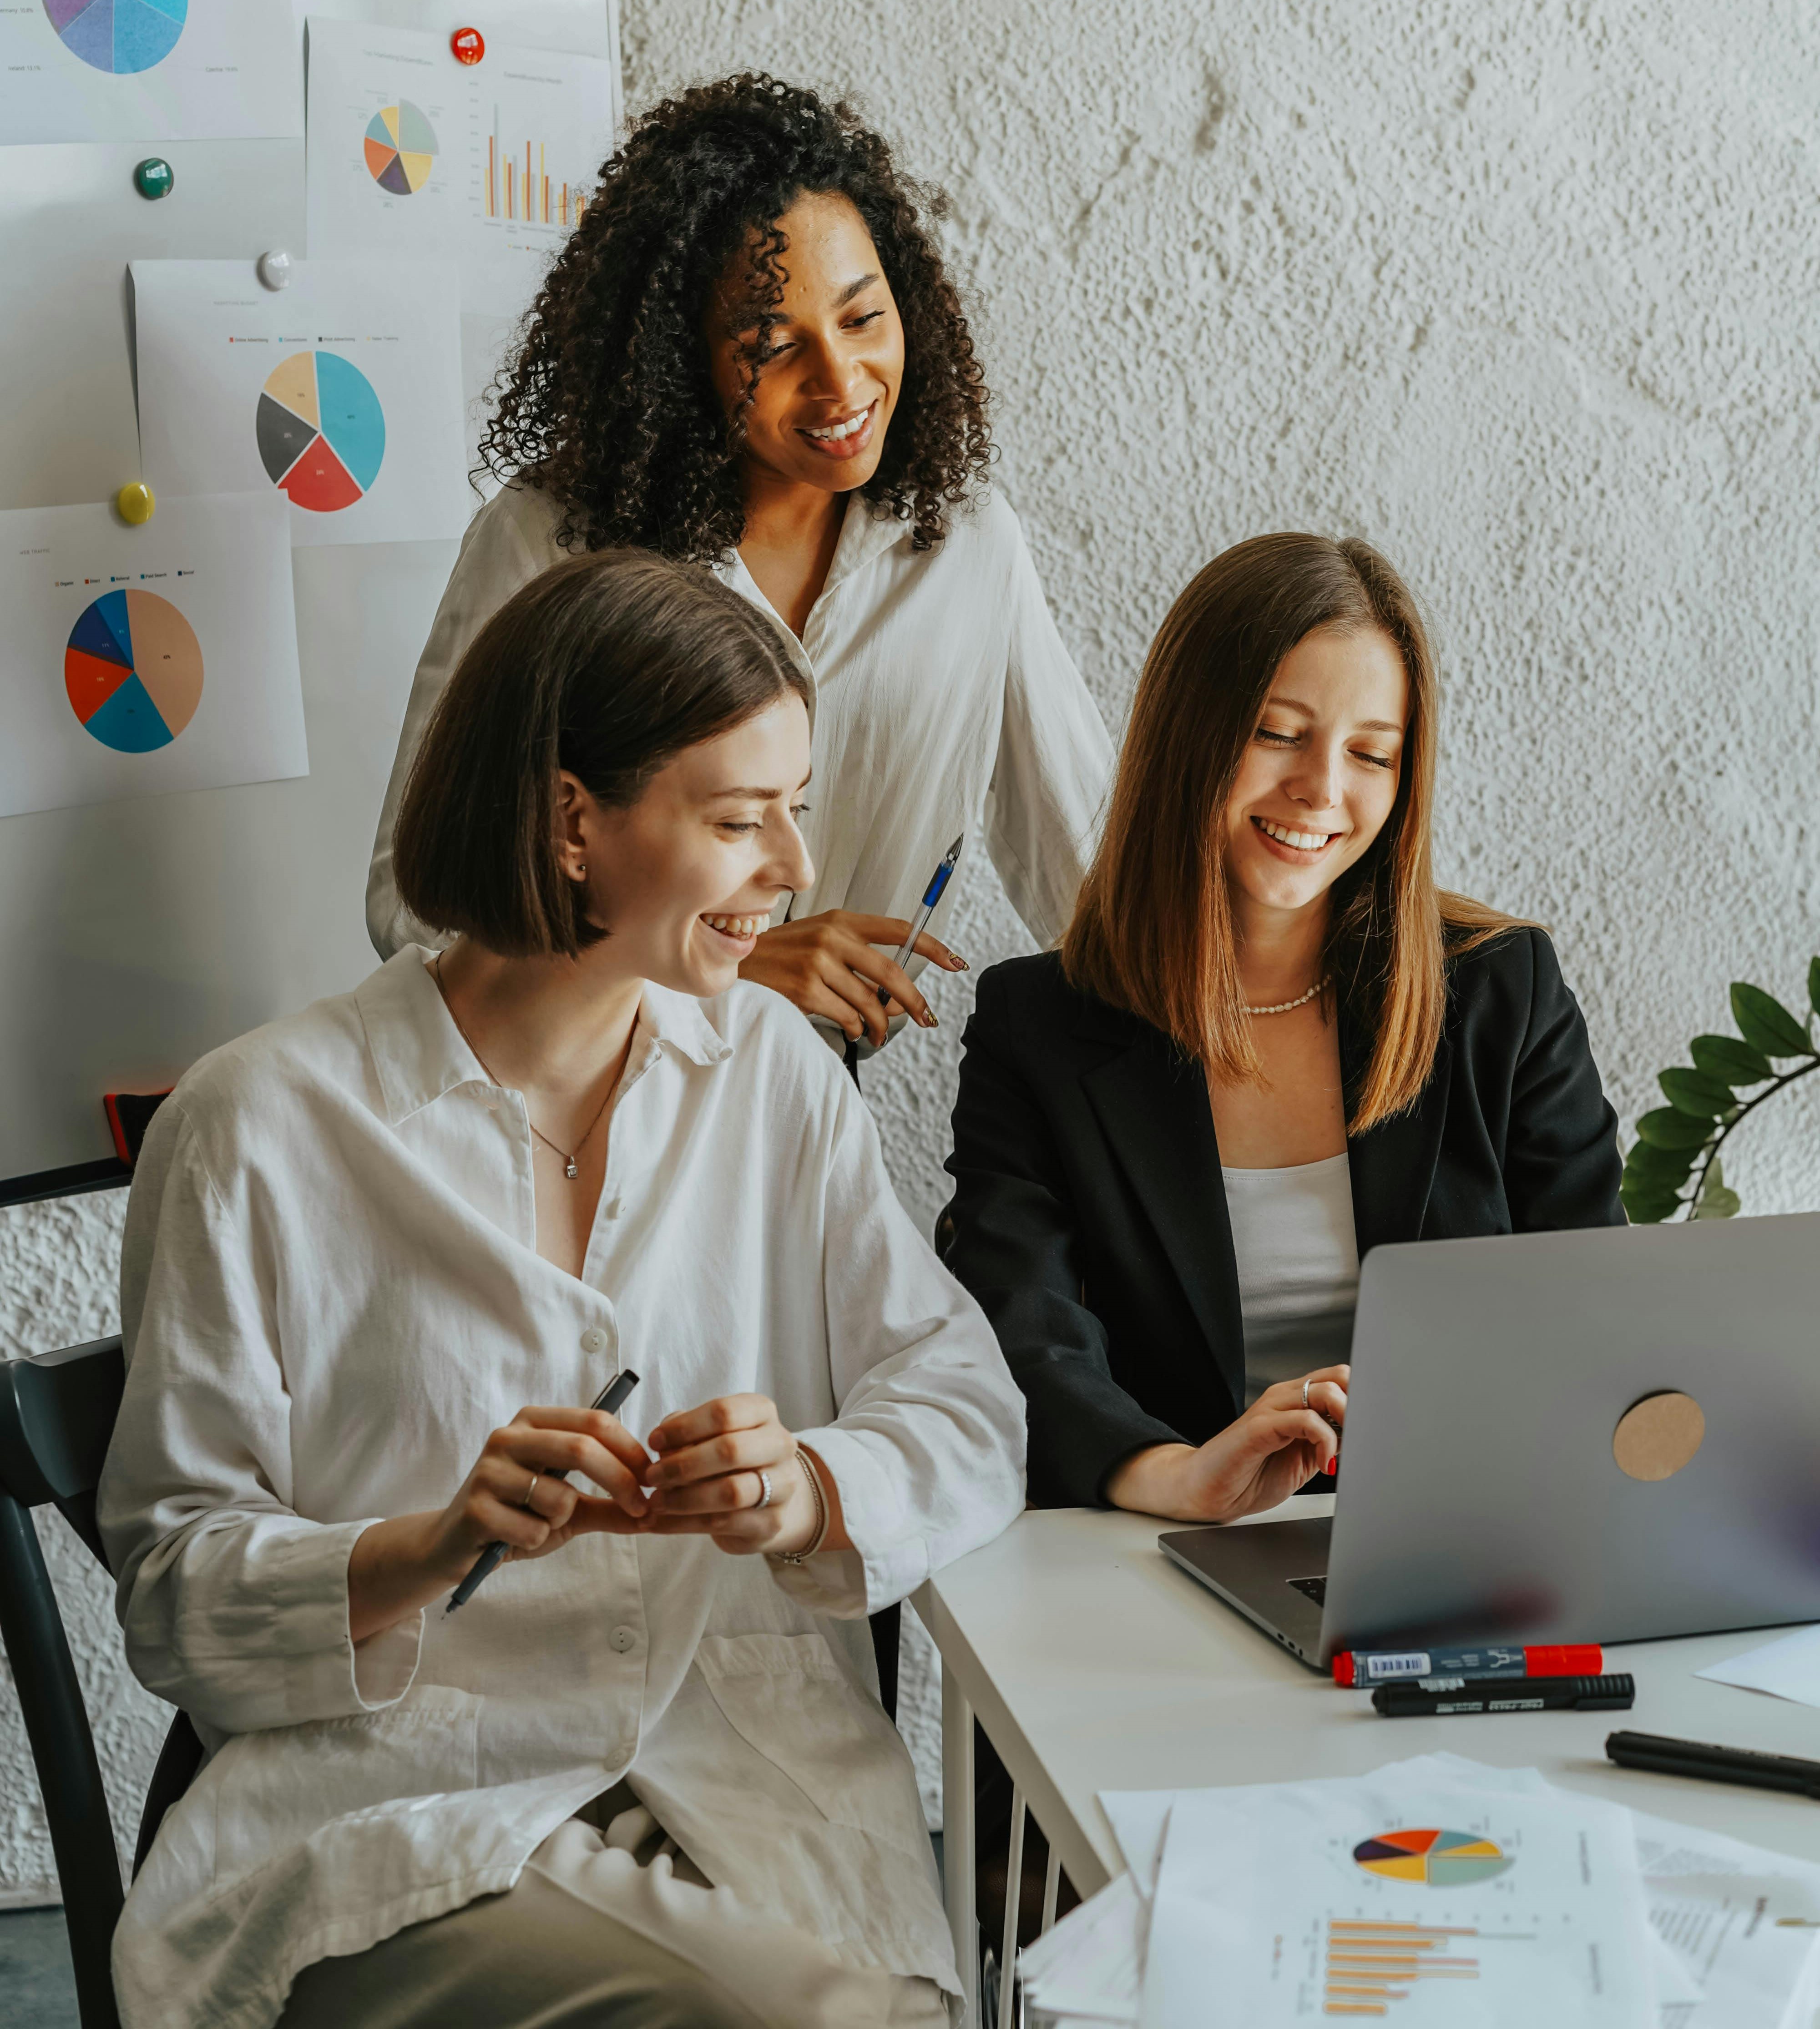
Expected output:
{"points": [[1523, 293]]}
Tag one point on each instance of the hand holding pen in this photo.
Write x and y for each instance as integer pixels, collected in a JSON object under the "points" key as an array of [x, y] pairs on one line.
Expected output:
{"points": [[829, 964]]}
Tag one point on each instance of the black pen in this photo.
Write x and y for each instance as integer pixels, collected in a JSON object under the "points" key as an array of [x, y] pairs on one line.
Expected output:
{"points": [[1505, 1694], [931, 895], [612, 1399], [1661, 1756]]}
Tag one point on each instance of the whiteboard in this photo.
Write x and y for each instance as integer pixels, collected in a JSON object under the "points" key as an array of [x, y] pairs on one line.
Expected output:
{"points": [[135, 937]]}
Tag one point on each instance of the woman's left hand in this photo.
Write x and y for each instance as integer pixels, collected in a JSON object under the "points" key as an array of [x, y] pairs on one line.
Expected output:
{"points": [[704, 1480]]}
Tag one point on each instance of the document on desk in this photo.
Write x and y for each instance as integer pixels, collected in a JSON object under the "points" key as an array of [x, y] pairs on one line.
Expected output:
{"points": [[1422, 1903], [1788, 1668]]}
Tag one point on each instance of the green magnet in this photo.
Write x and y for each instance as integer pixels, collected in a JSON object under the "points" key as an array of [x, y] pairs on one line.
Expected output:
{"points": [[154, 177]]}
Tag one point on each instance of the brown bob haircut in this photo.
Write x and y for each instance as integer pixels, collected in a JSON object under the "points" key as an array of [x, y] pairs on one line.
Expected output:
{"points": [[1154, 931], [608, 665]]}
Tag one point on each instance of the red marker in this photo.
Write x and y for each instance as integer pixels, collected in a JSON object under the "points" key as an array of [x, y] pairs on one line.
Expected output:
{"points": [[469, 44], [1366, 1666]]}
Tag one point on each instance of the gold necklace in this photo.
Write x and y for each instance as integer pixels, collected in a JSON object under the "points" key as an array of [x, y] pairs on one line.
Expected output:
{"points": [[569, 1168]]}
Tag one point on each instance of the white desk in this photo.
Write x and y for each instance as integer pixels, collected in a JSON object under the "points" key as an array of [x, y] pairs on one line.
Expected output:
{"points": [[1093, 1662]]}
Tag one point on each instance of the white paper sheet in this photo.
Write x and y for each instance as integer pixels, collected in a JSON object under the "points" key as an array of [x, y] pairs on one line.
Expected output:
{"points": [[1089, 1967], [1788, 1668], [136, 661], [416, 157], [343, 390], [1429, 1902], [148, 70]]}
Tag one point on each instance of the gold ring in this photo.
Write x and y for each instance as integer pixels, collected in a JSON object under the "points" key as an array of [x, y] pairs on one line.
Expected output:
{"points": [[1304, 1392], [530, 1489]]}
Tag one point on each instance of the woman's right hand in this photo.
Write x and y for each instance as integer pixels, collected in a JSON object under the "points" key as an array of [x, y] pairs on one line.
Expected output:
{"points": [[400, 1566], [1260, 1459], [829, 964]]}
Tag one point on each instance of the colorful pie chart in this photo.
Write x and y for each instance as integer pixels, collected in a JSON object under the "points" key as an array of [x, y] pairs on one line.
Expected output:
{"points": [[133, 669], [321, 431], [119, 35], [400, 149], [1441, 1859]]}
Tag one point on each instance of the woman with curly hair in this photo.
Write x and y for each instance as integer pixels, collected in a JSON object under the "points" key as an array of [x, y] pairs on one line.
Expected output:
{"points": [[749, 355]]}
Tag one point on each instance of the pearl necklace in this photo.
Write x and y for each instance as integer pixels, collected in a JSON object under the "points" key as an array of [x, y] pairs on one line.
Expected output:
{"points": [[1283, 1007]]}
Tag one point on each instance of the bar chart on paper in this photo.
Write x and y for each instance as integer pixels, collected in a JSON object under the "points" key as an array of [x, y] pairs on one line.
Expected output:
{"points": [[492, 166]]}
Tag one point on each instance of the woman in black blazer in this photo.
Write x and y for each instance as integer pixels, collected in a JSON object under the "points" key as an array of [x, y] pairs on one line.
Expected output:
{"points": [[1263, 998]]}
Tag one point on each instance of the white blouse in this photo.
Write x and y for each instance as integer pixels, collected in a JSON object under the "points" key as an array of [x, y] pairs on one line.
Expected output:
{"points": [[943, 702], [330, 1294], [1296, 1251]]}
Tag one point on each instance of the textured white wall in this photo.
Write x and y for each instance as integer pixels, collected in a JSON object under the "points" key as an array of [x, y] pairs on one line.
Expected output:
{"points": [[1523, 292]]}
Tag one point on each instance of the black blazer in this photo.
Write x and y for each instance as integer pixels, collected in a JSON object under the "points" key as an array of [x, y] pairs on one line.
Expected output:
{"points": [[1089, 1218]]}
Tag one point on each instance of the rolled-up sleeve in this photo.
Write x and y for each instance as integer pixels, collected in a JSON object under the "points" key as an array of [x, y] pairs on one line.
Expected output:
{"points": [[496, 559], [233, 1606], [927, 1445], [1053, 768]]}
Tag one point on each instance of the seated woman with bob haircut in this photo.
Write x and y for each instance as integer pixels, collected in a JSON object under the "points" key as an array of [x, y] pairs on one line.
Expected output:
{"points": [[642, 1777], [1267, 1045]]}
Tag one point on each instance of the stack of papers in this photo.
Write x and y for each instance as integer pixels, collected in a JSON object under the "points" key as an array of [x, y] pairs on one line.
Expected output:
{"points": [[1436, 1890]]}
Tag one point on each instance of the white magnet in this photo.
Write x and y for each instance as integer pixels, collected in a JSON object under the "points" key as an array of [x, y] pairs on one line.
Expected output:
{"points": [[275, 269]]}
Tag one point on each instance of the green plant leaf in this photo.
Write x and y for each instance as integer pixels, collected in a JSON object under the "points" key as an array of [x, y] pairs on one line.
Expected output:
{"points": [[1814, 984], [1660, 1169], [1647, 1207], [1668, 1127], [1725, 1057], [1697, 1092], [1715, 1200], [1766, 1024]]}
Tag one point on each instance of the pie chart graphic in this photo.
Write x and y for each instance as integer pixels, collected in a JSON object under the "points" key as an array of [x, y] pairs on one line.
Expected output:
{"points": [[1440, 1859], [400, 149], [133, 669], [321, 431], [119, 35]]}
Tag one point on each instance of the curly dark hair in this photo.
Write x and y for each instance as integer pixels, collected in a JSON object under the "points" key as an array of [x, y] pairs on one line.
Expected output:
{"points": [[609, 407]]}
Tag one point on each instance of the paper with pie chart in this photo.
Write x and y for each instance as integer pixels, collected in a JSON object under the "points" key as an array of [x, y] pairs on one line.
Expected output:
{"points": [[139, 661], [1416, 1903], [491, 165], [342, 393], [148, 70]]}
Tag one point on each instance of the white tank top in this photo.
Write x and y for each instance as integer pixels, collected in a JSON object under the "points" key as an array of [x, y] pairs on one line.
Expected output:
{"points": [[1298, 1260]]}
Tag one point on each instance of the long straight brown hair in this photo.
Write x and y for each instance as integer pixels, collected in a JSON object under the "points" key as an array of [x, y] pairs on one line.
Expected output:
{"points": [[1154, 931]]}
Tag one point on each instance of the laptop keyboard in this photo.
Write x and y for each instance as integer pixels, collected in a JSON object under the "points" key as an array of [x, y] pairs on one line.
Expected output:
{"points": [[1315, 1588]]}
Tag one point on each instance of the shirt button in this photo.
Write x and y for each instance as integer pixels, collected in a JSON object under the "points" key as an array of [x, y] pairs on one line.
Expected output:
{"points": [[593, 1340], [622, 1641]]}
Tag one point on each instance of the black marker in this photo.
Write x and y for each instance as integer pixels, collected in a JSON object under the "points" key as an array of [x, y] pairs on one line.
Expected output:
{"points": [[612, 1399], [1613, 1693], [1664, 1756]]}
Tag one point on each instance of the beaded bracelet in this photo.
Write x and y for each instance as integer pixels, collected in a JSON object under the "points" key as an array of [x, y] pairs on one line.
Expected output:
{"points": [[824, 1517]]}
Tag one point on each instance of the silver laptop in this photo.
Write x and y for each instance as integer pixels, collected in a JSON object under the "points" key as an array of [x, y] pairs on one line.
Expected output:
{"points": [[1603, 1436]]}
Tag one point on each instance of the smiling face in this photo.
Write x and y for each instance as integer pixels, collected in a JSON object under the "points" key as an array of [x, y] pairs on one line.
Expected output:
{"points": [[686, 878], [830, 377], [1320, 776]]}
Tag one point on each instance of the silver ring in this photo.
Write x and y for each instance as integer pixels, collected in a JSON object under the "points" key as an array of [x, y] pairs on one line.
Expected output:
{"points": [[1304, 1392], [530, 1489], [764, 1499]]}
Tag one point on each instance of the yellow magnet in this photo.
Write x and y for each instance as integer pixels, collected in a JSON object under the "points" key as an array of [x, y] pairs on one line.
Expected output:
{"points": [[137, 503]]}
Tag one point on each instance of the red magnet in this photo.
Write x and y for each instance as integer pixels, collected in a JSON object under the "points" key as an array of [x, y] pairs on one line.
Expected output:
{"points": [[469, 44]]}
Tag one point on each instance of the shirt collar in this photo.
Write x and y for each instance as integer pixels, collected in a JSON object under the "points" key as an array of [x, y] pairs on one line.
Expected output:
{"points": [[418, 1054]]}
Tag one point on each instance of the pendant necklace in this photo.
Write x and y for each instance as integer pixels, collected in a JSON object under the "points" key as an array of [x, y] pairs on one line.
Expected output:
{"points": [[1282, 1006], [569, 1168]]}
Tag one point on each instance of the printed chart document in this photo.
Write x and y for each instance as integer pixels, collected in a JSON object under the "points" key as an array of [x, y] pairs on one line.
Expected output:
{"points": [[1423, 1904], [415, 156], [148, 70], [136, 661], [341, 393]]}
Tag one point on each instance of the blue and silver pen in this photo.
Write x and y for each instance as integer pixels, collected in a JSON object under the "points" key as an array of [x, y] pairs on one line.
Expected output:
{"points": [[612, 1399], [931, 895]]}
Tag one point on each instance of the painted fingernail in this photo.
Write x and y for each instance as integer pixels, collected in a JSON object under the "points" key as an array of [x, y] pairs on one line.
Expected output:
{"points": [[927, 1018], [960, 964]]}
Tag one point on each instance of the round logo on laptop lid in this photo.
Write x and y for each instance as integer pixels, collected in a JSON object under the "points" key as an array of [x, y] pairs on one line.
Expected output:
{"points": [[1655, 1438]]}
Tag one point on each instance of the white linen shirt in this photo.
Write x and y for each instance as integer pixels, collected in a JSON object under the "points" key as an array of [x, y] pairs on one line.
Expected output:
{"points": [[943, 702], [330, 1294]]}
